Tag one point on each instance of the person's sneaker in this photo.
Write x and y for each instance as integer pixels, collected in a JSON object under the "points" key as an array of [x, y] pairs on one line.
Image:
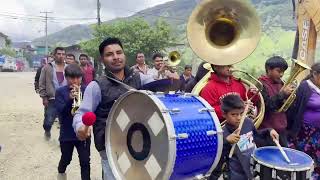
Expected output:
{"points": [[62, 176], [47, 135]]}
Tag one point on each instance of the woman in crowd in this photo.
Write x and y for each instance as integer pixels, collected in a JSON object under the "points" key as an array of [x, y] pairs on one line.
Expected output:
{"points": [[304, 118]]}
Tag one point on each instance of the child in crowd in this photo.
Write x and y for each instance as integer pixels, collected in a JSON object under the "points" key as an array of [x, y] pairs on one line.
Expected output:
{"points": [[68, 139], [239, 164], [274, 98]]}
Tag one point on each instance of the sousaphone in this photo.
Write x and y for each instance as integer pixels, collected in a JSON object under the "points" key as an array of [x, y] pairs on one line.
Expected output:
{"points": [[224, 32]]}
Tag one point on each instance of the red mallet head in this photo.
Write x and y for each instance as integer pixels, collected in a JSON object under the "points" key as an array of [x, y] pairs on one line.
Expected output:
{"points": [[89, 118]]}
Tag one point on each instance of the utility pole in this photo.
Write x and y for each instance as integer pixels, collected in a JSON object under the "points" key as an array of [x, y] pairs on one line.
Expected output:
{"points": [[97, 64], [98, 12], [46, 29]]}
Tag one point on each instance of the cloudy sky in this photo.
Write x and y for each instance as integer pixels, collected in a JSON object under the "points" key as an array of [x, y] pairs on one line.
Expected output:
{"points": [[21, 19]]}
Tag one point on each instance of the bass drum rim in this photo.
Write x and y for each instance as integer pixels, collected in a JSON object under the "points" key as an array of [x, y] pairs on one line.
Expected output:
{"points": [[257, 120], [168, 171], [279, 167], [219, 134], [170, 131]]}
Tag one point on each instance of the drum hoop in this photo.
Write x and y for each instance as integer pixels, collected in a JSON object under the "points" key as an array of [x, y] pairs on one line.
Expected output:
{"points": [[219, 134], [171, 134], [170, 131], [112, 164], [282, 168]]}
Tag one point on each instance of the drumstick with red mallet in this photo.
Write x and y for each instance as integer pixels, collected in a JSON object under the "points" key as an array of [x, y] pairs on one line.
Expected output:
{"points": [[88, 119]]}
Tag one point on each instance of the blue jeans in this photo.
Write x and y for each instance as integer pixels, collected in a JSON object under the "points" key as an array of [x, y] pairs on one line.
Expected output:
{"points": [[50, 115], [106, 169]]}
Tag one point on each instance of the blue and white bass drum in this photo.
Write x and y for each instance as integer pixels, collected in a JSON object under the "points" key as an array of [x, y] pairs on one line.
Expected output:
{"points": [[162, 136]]}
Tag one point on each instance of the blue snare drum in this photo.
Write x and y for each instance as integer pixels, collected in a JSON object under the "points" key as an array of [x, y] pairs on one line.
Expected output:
{"points": [[162, 136], [267, 163]]}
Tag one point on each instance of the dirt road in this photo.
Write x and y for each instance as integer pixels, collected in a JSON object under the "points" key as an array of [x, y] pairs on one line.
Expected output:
{"points": [[25, 154]]}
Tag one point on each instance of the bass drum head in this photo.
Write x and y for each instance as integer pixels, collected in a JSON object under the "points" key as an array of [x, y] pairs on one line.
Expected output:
{"points": [[137, 138]]}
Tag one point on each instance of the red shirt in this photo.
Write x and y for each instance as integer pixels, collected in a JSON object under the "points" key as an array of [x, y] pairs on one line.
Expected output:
{"points": [[88, 74], [216, 89]]}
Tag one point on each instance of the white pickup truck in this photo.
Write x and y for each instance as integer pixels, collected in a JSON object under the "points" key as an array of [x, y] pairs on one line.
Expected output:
{"points": [[9, 64]]}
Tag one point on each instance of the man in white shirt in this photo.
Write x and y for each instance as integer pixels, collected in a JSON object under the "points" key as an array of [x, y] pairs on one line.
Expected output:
{"points": [[160, 69]]}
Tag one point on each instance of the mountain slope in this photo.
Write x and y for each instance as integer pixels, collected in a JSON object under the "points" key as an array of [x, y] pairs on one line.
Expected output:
{"points": [[275, 13]]}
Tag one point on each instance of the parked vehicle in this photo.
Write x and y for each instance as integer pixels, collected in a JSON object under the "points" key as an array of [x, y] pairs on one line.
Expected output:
{"points": [[9, 64], [2, 60]]}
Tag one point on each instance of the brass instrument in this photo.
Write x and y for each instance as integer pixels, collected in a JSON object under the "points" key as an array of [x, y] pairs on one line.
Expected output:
{"points": [[76, 101], [298, 67], [172, 61], [224, 32], [174, 58], [258, 119]]}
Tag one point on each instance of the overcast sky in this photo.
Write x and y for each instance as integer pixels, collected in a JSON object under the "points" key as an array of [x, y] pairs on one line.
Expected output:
{"points": [[20, 18]]}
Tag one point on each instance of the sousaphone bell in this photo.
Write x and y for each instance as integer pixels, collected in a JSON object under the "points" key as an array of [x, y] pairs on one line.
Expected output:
{"points": [[223, 32]]}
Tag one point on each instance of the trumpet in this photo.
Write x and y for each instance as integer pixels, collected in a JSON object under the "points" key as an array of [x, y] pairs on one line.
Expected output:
{"points": [[76, 100], [172, 61], [174, 58]]}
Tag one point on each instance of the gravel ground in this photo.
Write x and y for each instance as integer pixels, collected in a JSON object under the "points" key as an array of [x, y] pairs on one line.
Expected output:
{"points": [[25, 154]]}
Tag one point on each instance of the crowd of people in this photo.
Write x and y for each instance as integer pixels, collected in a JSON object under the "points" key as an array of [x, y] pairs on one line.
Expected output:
{"points": [[59, 81]]}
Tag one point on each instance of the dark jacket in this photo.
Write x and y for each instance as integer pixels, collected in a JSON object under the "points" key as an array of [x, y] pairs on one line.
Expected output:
{"points": [[63, 104], [36, 79], [110, 91], [184, 82], [296, 111], [273, 99], [200, 74], [239, 163]]}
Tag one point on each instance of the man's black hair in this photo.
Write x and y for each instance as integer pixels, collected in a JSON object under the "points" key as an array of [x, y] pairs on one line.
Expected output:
{"points": [[59, 49], [231, 102], [155, 55], [187, 67], [84, 55], [139, 52], [276, 62], [68, 55], [73, 71], [107, 42]]}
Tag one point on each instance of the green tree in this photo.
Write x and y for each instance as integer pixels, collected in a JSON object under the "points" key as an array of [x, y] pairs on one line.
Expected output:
{"points": [[8, 51], [135, 34]]}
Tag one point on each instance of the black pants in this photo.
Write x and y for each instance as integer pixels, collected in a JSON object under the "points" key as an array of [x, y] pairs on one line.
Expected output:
{"points": [[83, 148]]}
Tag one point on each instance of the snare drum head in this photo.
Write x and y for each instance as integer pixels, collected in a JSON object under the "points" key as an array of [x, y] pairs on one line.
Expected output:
{"points": [[137, 139], [272, 157]]}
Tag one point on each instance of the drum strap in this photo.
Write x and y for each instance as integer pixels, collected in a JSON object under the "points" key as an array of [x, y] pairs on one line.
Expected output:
{"points": [[121, 83]]}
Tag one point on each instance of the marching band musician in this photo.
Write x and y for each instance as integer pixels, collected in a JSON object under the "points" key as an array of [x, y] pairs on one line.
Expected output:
{"points": [[304, 118], [220, 84], [68, 140], [239, 164], [100, 95], [273, 97], [160, 69]]}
